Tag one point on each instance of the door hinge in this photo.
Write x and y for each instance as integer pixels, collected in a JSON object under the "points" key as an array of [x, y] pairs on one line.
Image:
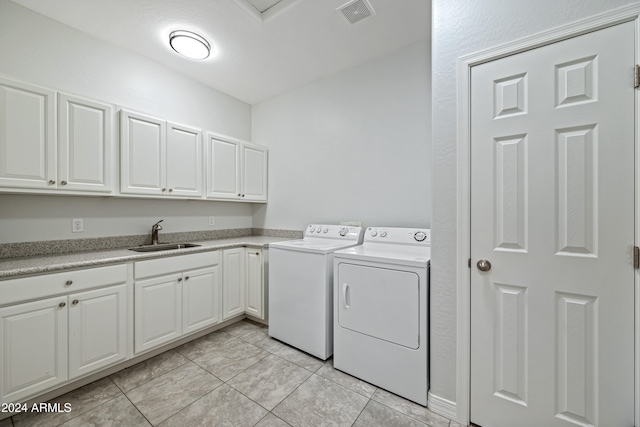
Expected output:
{"points": [[636, 257], [636, 79]]}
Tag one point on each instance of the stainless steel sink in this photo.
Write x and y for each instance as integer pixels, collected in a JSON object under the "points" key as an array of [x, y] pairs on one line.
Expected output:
{"points": [[163, 247]]}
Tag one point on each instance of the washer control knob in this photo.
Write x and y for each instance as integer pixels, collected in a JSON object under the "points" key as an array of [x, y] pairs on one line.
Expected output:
{"points": [[383, 234], [374, 233], [319, 229], [312, 229], [326, 230], [343, 232], [420, 236]]}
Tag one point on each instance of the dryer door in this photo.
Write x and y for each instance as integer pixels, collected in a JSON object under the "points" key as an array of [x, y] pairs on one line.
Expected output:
{"points": [[380, 302]]}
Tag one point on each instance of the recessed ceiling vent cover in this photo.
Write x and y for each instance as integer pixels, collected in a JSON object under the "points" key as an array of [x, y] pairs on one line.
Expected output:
{"points": [[356, 11]]}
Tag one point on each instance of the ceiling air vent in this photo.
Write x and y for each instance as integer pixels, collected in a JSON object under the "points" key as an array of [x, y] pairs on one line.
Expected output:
{"points": [[356, 11]]}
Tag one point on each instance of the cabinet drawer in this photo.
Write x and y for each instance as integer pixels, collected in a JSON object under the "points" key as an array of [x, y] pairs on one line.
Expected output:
{"points": [[174, 264], [28, 288]]}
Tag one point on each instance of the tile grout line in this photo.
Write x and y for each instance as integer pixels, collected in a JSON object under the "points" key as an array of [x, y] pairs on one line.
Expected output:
{"points": [[197, 400], [137, 409]]}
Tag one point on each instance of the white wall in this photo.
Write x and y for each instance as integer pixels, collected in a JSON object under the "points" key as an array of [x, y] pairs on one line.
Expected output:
{"points": [[351, 147], [461, 28], [42, 51]]}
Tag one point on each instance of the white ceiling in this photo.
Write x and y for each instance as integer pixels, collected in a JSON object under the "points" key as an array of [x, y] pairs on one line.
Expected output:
{"points": [[258, 55]]}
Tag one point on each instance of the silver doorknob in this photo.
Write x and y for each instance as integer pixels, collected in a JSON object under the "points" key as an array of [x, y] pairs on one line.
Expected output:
{"points": [[484, 265]]}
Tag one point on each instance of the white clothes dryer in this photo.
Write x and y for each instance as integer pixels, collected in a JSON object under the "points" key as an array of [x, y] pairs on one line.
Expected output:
{"points": [[381, 297], [301, 287]]}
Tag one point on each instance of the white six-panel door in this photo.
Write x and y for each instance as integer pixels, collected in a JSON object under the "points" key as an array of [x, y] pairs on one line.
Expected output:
{"points": [[552, 210]]}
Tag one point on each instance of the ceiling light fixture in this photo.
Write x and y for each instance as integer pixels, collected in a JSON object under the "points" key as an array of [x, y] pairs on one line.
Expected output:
{"points": [[189, 44]]}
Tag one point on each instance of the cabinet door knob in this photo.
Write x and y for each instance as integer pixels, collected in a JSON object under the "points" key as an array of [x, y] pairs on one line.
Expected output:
{"points": [[239, 194], [69, 282], [75, 302], [62, 304], [243, 195], [63, 183], [51, 182], [186, 278], [179, 279], [170, 190]]}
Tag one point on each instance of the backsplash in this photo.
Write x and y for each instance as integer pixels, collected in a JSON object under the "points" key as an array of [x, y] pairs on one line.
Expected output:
{"points": [[53, 247]]}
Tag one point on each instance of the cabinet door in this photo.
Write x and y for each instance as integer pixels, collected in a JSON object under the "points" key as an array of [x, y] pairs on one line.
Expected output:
{"points": [[158, 311], [85, 144], [223, 171], [254, 173], [184, 161], [201, 299], [27, 136], [143, 154], [97, 329], [33, 347], [232, 282], [253, 277]]}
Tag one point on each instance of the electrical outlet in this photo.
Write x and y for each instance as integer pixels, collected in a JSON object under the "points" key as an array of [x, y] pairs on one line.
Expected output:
{"points": [[212, 221], [77, 225]]}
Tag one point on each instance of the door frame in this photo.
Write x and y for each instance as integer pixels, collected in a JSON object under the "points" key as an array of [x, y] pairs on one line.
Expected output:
{"points": [[630, 13]]}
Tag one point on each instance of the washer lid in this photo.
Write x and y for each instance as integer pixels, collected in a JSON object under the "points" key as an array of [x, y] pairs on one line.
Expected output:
{"points": [[396, 254], [321, 246]]}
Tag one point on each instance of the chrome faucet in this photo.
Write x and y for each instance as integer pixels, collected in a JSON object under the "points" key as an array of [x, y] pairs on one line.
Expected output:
{"points": [[154, 232]]}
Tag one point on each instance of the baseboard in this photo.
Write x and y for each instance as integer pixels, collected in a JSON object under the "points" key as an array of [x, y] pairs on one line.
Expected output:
{"points": [[442, 406]]}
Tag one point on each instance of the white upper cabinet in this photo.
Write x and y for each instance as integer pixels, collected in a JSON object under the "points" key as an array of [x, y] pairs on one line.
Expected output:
{"points": [[143, 154], [236, 170], [254, 172], [184, 160], [78, 158], [159, 158], [223, 171], [27, 136], [85, 149]]}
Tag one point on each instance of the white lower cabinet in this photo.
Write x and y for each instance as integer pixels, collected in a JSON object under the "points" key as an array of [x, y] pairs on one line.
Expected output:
{"points": [[33, 347], [243, 282], [49, 341], [97, 329], [233, 283], [254, 277], [201, 299], [183, 296]]}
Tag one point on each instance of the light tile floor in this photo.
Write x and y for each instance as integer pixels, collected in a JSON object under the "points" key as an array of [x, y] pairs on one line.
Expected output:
{"points": [[237, 376]]}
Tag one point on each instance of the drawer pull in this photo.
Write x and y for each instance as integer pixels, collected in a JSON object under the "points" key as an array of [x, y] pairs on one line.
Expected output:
{"points": [[68, 282], [75, 302], [62, 304]]}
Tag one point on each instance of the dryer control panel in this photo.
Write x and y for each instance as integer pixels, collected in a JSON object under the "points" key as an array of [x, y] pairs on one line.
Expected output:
{"points": [[398, 235], [342, 232]]}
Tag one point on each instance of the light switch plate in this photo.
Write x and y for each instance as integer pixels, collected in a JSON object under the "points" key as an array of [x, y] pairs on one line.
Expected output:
{"points": [[212, 221]]}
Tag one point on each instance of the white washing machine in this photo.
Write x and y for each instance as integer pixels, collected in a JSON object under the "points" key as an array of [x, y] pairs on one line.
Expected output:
{"points": [[381, 297], [301, 287]]}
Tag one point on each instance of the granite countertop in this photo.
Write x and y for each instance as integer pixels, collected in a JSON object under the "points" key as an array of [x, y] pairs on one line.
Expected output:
{"points": [[18, 267]]}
